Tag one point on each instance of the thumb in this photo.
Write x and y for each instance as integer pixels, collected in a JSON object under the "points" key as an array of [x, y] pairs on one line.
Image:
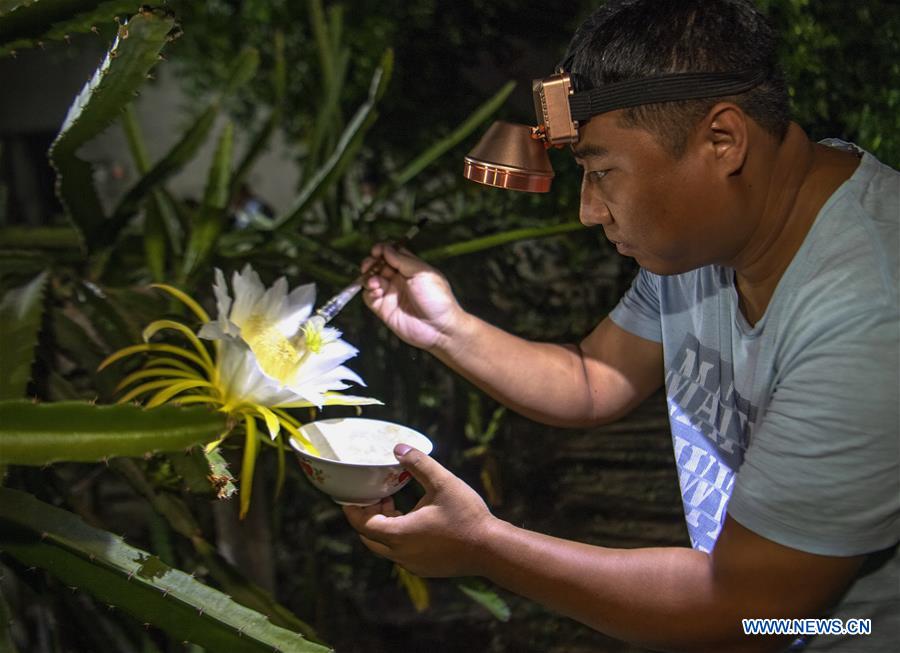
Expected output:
{"points": [[425, 469]]}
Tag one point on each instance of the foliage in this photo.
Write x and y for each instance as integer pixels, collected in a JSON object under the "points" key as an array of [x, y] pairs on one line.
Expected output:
{"points": [[139, 583], [381, 99], [842, 63], [25, 24], [88, 310]]}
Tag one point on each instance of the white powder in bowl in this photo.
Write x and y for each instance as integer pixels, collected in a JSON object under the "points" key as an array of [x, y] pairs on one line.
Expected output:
{"points": [[367, 445]]}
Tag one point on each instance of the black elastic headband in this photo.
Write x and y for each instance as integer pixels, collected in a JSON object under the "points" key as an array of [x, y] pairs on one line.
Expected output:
{"points": [[661, 88]]}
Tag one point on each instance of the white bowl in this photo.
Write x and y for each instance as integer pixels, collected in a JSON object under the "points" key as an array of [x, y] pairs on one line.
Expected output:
{"points": [[356, 464]]}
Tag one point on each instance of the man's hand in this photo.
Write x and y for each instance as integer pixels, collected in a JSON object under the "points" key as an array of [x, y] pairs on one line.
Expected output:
{"points": [[412, 298], [441, 535]]}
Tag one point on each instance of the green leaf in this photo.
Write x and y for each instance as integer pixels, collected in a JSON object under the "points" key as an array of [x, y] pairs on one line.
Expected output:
{"points": [[6, 620], [134, 52], [160, 223], [484, 596], [20, 320], [55, 238], [257, 146], [344, 149], [243, 69], [139, 583], [470, 124], [41, 434], [173, 161], [209, 224], [480, 244]]}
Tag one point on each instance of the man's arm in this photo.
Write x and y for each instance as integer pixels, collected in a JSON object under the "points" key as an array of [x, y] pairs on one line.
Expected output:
{"points": [[596, 382], [673, 599]]}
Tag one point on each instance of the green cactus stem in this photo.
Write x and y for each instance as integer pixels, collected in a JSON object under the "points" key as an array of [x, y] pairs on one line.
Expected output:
{"points": [[100, 563], [30, 23], [41, 434], [129, 60], [20, 320]]}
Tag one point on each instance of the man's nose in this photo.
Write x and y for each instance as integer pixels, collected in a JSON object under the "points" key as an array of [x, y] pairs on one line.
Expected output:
{"points": [[593, 209]]}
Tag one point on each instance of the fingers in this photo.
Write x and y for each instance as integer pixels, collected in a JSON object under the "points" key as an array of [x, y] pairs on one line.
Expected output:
{"points": [[425, 469], [377, 522], [402, 260], [376, 547], [361, 516], [386, 271]]}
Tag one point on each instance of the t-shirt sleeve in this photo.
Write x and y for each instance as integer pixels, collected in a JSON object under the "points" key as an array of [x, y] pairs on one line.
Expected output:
{"points": [[822, 469], [638, 311]]}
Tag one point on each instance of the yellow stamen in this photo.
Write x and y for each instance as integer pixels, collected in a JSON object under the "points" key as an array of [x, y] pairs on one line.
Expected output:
{"points": [[275, 354], [313, 336]]}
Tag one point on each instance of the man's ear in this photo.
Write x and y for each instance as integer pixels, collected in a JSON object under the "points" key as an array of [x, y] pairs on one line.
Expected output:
{"points": [[725, 132]]}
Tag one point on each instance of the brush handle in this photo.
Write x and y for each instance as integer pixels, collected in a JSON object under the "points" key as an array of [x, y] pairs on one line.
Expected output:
{"points": [[334, 305]]}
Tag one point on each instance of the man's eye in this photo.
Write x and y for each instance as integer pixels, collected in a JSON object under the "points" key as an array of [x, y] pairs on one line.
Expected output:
{"points": [[597, 175]]}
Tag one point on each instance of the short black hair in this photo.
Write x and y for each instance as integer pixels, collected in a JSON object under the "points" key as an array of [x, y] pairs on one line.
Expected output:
{"points": [[632, 39]]}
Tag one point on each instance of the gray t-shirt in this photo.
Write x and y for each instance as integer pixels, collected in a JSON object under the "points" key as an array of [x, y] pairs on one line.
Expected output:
{"points": [[792, 426]]}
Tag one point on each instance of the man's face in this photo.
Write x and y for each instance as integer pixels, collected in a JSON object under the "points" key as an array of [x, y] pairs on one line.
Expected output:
{"points": [[665, 212]]}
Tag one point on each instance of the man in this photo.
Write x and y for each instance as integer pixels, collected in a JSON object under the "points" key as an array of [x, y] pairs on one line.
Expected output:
{"points": [[767, 304]]}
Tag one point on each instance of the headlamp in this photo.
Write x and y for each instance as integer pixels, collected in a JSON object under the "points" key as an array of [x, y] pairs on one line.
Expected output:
{"points": [[514, 156]]}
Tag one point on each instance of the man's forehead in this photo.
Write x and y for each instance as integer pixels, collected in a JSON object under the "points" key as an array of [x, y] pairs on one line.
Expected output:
{"points": [[587, 150]]}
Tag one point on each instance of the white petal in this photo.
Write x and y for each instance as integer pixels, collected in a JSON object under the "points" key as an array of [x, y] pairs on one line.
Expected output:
{"points": [[248, 290], [330, 356], [298, 307], [211, 331], [223, 300], [270, 305]]}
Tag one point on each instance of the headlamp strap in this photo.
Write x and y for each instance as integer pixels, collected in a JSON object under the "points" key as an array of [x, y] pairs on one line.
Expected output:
{"points": [[660, 88]]}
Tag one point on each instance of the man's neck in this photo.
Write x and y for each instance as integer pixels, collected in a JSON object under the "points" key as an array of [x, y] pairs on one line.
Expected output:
{"points": [[802, 177]]}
